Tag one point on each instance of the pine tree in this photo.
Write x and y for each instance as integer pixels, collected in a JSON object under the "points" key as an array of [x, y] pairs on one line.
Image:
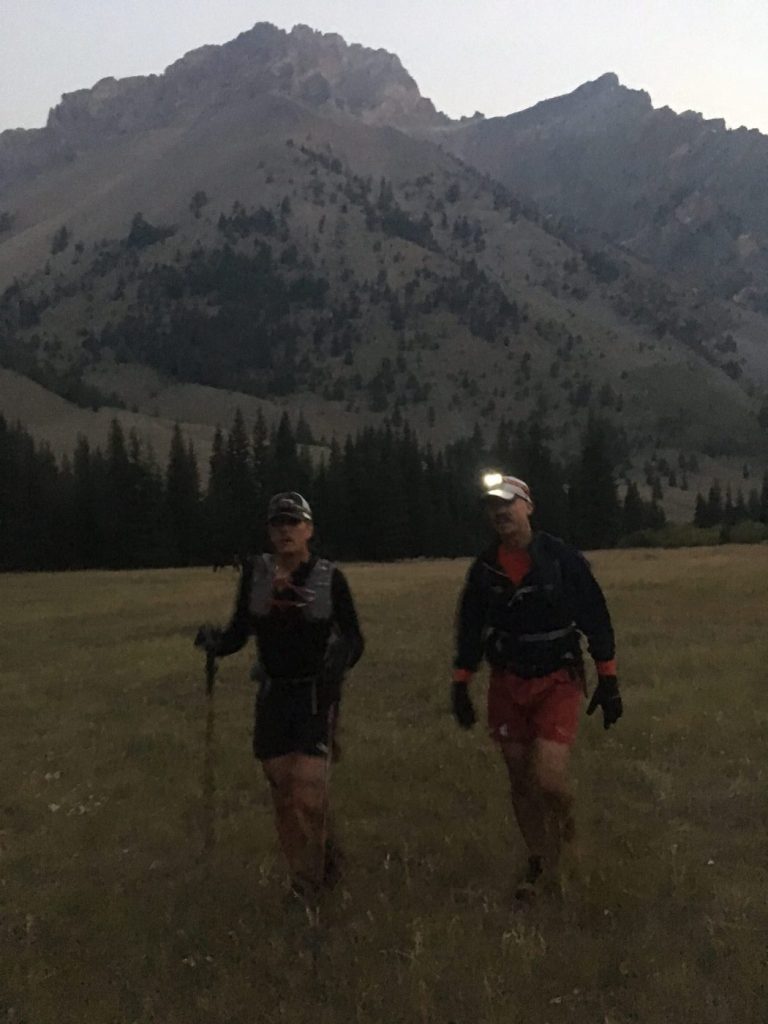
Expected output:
{"points": [[29, 522], [144, 506], [88, 489], [238, 475], [729, 516], [701, 512], [216, 505], [715, 511], [532, 460], [655, 517], [115, 510], [417, 502], [64, 510], [594, 504], [333, 504], [389, 533], [633, 512], [291, 469], [10, 503], [303, 431], [753, 505], [182, 501], [740, 507]]}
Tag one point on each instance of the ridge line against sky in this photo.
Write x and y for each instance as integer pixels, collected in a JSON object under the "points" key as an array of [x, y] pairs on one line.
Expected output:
{"points": [[497, 56]]}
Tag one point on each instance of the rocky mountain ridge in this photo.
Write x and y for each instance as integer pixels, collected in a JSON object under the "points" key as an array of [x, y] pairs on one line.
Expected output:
{"points": [[314, 68], [678, 190]]}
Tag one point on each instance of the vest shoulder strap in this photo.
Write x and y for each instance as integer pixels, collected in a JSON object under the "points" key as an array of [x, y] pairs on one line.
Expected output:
{"points": [[323, 566]]}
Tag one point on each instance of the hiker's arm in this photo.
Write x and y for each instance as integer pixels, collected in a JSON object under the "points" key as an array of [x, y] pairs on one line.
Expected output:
{"points": [[346, 644], [470, 623], [592, 617]]}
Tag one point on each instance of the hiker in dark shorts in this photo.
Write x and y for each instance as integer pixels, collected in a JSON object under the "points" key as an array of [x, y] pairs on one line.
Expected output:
{"points": [[525, 602], [300, 609]]}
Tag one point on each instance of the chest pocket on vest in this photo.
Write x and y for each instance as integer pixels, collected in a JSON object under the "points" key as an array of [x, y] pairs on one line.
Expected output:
{"points": [[312, 599], [540, 604]]}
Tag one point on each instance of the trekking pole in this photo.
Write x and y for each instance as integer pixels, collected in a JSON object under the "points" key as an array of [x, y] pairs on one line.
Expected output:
{"points": [[331, 731], [334, 667], [210, 672], [209, 775], [209, 778], [313, 913]]}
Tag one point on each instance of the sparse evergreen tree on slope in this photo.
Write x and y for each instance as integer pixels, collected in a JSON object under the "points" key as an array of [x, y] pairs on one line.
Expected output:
{"points": [[593, 500]]}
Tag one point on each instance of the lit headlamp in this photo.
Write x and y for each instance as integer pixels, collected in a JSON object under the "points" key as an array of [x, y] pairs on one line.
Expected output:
{"points": [[491, 480], [497, 485]]}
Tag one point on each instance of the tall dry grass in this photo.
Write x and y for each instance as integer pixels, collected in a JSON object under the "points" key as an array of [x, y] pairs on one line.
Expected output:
{"points": [[113, 911]]}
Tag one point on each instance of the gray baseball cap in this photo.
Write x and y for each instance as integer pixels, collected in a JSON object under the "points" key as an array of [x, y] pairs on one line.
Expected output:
{"points": [[289, 504]]}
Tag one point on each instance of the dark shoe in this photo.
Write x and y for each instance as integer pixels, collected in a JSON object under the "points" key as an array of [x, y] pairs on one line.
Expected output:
{"points": [[529, 885], [333, 867], [303, 891]]}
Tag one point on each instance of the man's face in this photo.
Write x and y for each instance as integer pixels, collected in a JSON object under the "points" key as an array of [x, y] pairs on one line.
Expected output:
{"points": [[290, 536], [510, 519]]}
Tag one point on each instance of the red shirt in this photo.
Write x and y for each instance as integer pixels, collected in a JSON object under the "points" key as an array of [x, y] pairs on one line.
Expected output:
{"points": [[515, 563]]}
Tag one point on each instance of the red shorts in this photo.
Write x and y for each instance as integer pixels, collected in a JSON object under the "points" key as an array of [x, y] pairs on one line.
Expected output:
{"points": [[523, 710]]}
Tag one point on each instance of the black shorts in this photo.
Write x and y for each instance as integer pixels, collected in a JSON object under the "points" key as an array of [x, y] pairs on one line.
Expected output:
{"points": [[296, 716]]}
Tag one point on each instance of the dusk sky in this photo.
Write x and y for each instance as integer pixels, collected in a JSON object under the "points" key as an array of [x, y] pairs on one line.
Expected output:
{"points": [[497, 56]]}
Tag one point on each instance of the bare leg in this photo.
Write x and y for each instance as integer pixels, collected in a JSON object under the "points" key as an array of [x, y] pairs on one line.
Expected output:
{"points": [[525, 803], [310, 801], [549, 766], [279, 772], [299, 794], [542, 801]]}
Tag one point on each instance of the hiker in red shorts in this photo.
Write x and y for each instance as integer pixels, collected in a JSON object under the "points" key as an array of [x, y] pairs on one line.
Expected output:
{"points": [[525, 602]]}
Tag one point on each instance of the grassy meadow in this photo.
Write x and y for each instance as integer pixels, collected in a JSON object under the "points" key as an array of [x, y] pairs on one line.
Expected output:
{"points": [[140, 880]]}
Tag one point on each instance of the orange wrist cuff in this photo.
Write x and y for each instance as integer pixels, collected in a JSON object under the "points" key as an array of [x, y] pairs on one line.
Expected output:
{"points": [[606, 668], [461, 675]]}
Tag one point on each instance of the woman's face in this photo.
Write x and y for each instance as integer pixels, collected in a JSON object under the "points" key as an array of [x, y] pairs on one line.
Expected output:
{"points": [[290, 536]]}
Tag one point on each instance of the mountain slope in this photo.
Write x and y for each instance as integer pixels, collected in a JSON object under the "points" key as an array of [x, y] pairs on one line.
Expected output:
{"points": [[225, 225], [683, 192]]}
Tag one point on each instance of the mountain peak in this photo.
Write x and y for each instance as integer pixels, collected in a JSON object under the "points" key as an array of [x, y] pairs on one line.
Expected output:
{"points": [[610, 80], [315, 69], [605, 93], [589, 104]]}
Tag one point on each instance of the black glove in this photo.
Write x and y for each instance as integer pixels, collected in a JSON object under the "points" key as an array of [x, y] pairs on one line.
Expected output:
{"points": [[607, 697], [463, 708], [208, 637]]}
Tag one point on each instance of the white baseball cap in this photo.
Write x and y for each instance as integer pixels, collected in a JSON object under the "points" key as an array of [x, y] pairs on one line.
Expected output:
{"points": [[497, 485]]}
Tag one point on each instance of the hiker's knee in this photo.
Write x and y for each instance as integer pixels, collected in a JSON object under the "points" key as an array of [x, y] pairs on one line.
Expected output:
{"points": [[279, 775], [517, 762], [550, 767], [308, 784]]}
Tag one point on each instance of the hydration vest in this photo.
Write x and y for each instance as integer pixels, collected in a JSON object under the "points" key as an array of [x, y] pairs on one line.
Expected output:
{"points": [[530, 628], [312, 597]]}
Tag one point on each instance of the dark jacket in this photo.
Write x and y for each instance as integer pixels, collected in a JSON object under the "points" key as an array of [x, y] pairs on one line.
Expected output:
{"points": [[533, 629], [292, 643]]}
